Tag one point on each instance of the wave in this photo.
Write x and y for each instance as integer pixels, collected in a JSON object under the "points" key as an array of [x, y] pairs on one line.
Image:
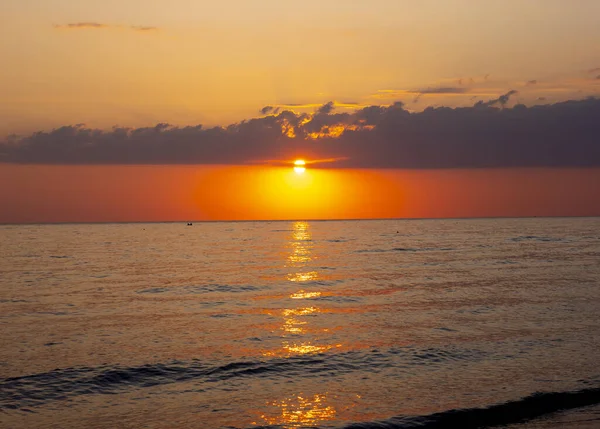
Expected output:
{"points": [[524, 409], [59, 384]]}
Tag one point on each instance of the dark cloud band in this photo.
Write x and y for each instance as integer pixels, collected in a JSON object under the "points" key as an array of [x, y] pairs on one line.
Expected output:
{"points": [[489, 134]]}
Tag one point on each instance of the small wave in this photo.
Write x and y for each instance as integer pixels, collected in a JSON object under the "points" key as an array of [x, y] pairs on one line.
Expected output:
{"points": [[321, 283], [338, 299], [199, 289], [535, 238], [406, 249], [154, 290], [220, 288], [52, 313], [524, 409]]}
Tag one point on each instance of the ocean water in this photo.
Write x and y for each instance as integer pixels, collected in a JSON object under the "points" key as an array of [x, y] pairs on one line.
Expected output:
{"points": [[333, 324]]}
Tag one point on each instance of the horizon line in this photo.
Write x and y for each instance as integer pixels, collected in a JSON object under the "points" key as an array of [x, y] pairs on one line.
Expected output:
{"points": [[298, 220]]}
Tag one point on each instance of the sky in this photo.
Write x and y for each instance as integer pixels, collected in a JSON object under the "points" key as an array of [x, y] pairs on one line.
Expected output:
{"points": [[203, 105]]}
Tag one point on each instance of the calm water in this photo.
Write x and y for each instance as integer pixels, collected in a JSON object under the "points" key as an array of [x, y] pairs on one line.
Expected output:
{"points": [[288, 324]]}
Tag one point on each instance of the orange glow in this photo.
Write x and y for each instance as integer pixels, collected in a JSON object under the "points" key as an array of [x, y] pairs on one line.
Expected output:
{"points": [[173, 193], [282, 193], [299, 162]]}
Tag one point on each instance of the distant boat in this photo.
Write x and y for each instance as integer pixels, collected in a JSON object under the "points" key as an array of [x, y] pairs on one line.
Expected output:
{"points": [[189, 224]]}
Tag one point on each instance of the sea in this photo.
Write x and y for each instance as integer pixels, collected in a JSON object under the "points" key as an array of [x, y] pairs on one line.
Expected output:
{"points": [[465, 323]]}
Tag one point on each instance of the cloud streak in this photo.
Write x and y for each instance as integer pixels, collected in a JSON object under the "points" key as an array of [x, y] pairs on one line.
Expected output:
{"points": [[487, 134], [142, 28], [440, 90], [82, 25], [100, 26]]}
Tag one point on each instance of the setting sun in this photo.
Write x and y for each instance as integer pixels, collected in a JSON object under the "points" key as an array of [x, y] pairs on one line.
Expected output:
{"points": [[299, 166]]}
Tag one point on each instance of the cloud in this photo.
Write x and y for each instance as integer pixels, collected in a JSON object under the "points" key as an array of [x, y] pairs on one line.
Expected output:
{"points": [[594, 70], [319, 107], [502, 100], [80, 25], [100, 26], [140, 28], [440, 90], [266, 110], [598, 77], [488, 134], [458, 92], [326, 108]]}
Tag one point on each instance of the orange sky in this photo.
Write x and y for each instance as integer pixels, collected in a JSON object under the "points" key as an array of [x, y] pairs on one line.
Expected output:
{"points": [[97, 82], [134, 63], [164, 193]]}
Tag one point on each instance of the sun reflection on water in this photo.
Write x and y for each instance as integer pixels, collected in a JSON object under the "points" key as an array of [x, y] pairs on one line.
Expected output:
{"points": [[302, 294], [300, 338], [299, 311], [300, 411], [303, 277], [301, 244], [307, 348]]}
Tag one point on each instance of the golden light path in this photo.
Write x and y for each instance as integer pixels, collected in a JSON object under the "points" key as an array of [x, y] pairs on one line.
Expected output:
{"points": [[301, 408]]}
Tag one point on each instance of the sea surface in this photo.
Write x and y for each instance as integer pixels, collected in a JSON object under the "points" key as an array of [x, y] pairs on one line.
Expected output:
{"points": [[324, 324]]}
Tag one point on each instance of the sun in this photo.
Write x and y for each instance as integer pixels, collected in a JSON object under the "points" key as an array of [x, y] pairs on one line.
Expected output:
{"points": [[299, 166]]}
